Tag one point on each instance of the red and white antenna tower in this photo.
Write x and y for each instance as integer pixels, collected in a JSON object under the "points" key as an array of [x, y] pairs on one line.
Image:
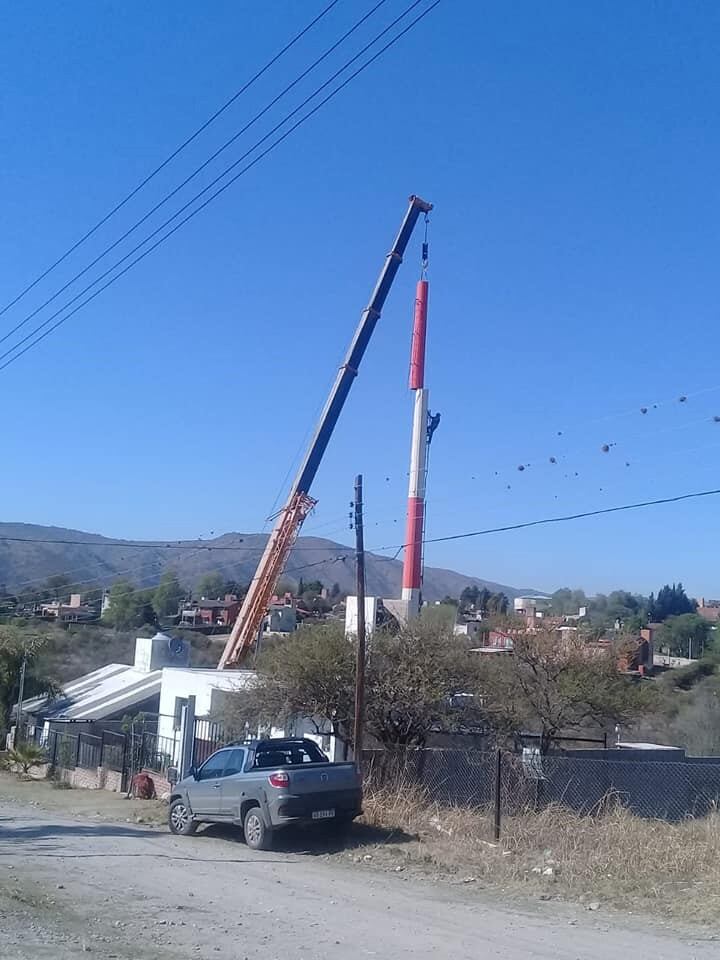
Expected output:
{"points": [[423, 428]]}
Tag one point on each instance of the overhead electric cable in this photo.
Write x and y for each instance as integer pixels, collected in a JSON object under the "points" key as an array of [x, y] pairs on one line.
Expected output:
{"points": [[563, 519], [246, 86], [191, 176], [217, 193]]}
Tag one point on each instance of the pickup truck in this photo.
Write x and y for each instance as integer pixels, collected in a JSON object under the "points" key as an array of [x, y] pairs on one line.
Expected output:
{"points": [[264, 786]]}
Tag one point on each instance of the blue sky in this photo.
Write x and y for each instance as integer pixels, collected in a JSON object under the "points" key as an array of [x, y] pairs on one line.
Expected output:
{"points": [[571, 151]]}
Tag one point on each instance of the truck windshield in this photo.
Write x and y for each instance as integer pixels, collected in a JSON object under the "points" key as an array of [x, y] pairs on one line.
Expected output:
{"points": [[289, 754]]}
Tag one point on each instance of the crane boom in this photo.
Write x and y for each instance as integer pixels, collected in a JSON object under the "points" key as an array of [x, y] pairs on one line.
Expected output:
{"points": [[299, 502]]}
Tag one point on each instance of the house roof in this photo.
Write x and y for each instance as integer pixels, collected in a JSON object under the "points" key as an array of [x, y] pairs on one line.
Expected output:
{"points": [[100, 694]]}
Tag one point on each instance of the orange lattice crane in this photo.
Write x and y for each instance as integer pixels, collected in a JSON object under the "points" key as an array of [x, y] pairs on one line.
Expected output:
{"points": [[299, 503]]}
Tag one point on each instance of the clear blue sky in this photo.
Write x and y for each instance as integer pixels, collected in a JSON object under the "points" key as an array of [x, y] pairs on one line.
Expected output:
{"points": [[572, 154]]}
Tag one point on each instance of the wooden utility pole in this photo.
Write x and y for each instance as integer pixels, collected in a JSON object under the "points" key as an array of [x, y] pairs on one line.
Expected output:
{"points": [[360, 590], [21, 696]]}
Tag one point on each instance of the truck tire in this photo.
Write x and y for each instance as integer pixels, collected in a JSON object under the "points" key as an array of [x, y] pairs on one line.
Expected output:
{"points": [[180, 819], [257, 835]]}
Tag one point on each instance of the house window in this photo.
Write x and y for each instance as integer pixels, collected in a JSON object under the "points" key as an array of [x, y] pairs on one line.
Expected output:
{"points": [[180, 702]]}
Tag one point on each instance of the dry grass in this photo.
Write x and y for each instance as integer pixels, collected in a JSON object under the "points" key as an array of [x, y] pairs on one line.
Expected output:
{"points": [[614, 857]]}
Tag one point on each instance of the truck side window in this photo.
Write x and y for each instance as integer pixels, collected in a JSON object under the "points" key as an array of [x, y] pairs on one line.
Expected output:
{"points": [[213, 768], [235, 763]]}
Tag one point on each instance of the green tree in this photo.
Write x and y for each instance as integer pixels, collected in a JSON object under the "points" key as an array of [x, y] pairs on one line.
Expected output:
{"points": [[671, 601], [15, 643], [684, 636], [497, 603], [211, 585], [168, 595], [129, 607]]}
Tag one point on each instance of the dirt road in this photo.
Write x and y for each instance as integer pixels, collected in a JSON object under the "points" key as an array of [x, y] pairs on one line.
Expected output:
{"points": [[73, 887]]}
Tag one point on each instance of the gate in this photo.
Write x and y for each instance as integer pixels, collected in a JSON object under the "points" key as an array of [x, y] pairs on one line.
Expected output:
{"points": [[208, 736]]}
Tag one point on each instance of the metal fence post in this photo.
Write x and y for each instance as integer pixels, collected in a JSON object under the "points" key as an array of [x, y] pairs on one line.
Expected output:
{"points": [[53, 762], [123, 763], [187, 737], [498, 793], [102, 748], [77, 750]]}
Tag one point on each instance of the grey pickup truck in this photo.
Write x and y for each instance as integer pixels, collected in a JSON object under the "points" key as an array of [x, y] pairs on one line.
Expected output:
{"points": [[264, 785]]}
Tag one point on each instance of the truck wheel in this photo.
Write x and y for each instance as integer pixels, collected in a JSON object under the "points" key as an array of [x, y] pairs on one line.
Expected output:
{"points": [[257, 835], [180, 819]]}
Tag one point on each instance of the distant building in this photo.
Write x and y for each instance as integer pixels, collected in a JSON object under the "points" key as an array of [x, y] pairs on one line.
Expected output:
{"points": [[72, 612], [468, 628], [709, 610], [531, 607], [211, 613]]}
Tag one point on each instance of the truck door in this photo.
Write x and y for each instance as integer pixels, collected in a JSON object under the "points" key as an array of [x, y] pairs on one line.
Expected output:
{"points": [[207, 790]]}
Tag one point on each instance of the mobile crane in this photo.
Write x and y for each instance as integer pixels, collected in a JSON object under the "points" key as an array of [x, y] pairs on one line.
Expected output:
{"points": [[289, 520]]}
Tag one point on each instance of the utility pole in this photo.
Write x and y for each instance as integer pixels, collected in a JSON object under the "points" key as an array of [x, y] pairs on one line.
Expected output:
{"points": [[360, 589], [21, 697]]}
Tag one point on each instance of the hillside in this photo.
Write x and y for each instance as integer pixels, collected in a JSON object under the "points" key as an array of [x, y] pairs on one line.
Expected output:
{"points": [[26, 564]]}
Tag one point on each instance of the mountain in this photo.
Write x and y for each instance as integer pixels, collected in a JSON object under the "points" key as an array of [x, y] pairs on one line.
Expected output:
{"points": [[30, 553]]}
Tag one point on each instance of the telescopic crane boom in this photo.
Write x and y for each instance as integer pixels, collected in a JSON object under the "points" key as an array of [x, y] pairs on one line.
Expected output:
{"points": [[299, 503]]}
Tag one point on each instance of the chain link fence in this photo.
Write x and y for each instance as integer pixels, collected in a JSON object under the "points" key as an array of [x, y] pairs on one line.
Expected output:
{"points": [[500, 784]]}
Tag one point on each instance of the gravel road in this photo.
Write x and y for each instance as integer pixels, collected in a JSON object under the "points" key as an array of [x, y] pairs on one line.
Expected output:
{"points": [[71, 887]]}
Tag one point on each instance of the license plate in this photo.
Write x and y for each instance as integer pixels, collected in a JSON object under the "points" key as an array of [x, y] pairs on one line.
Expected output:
{"points": [[323, 814]]}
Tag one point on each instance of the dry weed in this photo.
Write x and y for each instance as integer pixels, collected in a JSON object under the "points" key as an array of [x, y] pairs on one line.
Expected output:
{"points": [[614, 856]]}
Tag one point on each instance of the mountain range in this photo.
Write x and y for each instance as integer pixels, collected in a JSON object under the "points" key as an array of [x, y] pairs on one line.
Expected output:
{"points": [[30, 553]]}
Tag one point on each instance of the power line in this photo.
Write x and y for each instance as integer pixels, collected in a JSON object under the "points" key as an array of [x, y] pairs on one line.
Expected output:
{"points": [[221, 189], [456, 536], [246, 86], [127, 544], [191, 176], [563, 519]]}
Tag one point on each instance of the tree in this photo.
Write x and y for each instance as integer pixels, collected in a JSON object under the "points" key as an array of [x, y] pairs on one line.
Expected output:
{"points": [[671, 601], [211, 585], [415, 682], [553, 687], [567, 602], [684, 635], [168, 595], [311, 674], [420, 681], [129, 607], [15, 643], [470, 599], [497, 603]]}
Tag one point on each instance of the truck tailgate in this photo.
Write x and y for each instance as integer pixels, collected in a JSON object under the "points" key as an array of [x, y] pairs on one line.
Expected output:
{"points": [[318, 778]]}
